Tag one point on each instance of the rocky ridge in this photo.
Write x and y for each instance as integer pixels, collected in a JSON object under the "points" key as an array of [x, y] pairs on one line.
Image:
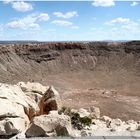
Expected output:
{"points": [[34, 61], [33, 110]]}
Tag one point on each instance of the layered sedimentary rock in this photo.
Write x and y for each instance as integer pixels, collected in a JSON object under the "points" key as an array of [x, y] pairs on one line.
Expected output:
{"points": [[36, 60]]}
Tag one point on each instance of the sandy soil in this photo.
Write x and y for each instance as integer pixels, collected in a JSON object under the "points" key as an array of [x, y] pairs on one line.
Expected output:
{"points": [[110, 92]]}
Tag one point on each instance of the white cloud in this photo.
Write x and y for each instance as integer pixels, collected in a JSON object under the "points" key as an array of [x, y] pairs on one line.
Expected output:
{"points": [[20, 6], [134, 3], [115, 33], [123, 22], [62, 23], [28, 22], [103, 3], [43, 17], [16, 24], [131, 26], [66, 15], [124, 26], [118, 20], [65, 23], [34, 26]]}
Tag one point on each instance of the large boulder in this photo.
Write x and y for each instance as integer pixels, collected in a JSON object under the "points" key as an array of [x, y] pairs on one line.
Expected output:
{"points": [[14, 95], [50, 101], [33, 87], [16, 110], [49, 125], [35, 91], [11, 109]]}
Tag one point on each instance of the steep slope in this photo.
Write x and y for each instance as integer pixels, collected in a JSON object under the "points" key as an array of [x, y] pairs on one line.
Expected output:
{"points": [[22, 60]]}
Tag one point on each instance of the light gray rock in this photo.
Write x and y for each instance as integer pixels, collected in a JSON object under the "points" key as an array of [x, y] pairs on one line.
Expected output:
{"points": [[133, 126], [105, 118], [94, 112], [19, 135], [10, 109], [99, 123], [33, 87], [34, 93], [83, 113], [50, 125], [14, 95], [115, 122], [16, 109], [12, 126], [116, 125]]}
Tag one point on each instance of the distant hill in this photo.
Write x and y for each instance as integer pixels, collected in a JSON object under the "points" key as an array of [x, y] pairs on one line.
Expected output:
{"points": [[17, 42]]}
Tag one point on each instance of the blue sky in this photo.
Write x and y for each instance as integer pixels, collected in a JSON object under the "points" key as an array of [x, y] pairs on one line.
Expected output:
{"points": [[69, 20]]}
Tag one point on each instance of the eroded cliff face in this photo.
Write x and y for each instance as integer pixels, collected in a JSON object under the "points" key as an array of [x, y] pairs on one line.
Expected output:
{"points": [[30, 61]]}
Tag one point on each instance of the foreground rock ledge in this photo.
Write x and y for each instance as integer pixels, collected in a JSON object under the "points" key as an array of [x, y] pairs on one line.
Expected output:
{"points": [[50, 125], [33, 110], [20, 104]]}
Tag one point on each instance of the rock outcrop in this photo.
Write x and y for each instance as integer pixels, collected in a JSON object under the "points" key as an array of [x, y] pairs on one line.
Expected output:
{"points": [[18, 106], [36, 60], [50, 125], [33, 87], [13, 102], [23, 103], [50, 101], [12, 125], [22, 116], [34, 92]]}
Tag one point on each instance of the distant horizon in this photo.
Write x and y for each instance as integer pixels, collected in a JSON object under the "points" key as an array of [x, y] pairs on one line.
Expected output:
{"points": [[66, 40], [70, 20]]}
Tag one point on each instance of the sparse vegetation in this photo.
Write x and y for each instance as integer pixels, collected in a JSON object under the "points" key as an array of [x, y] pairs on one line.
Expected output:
{"points": [[65, 110], [76, 121], [86, 121]]}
